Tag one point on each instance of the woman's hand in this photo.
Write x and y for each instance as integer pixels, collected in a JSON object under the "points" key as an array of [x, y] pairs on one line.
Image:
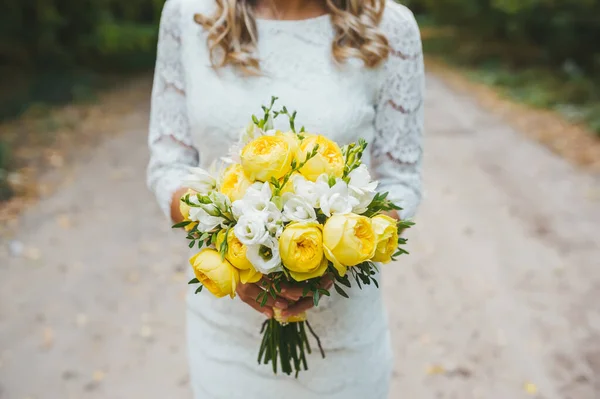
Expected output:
{"points": [[290, 300], [249, 294], [302, 303], [176, 215], [392, 214]]}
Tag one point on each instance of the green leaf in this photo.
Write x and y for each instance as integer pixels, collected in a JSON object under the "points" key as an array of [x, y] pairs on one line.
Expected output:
{"points": [[265, 297], [316, 298], [191, 245], [305, 290], [194, 281], [181, 224], [340, 291], [199, 290]]}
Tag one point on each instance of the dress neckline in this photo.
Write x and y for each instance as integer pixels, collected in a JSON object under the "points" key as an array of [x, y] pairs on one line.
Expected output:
{"points": [[294, 22]]}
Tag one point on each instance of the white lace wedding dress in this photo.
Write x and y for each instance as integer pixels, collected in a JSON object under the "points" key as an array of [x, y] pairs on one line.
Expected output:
{"points": [[197, 113]]}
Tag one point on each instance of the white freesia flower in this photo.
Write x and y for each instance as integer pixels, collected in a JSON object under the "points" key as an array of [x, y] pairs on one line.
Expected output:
{"points": [[337, 199], [200, 180], [362, 188], [256, 199], [206, 215], [297, 209], [220, 200], [250, 229], [307, 190], [239, 208], [250, 132], [258, 196], [265, 257]]}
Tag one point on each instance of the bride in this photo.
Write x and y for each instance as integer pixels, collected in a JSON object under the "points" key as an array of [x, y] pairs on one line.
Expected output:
{"points": [[351, 68]]}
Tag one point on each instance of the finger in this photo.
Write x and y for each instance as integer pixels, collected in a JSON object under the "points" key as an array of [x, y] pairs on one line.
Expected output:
{"points": [[291, 293], [295, 293], [266, 310], [301, 306], [251, 293], [326, 281]]}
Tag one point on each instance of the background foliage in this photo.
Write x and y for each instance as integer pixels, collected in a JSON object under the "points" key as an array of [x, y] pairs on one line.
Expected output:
{"points": [[545, 53], [58, 51], [52, 50]]}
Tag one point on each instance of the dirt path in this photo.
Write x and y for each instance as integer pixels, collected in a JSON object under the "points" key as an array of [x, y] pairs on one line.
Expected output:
{"points": [[500, 299]]}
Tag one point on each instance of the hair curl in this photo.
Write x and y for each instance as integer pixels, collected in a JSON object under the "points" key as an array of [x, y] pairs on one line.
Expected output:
{"points": [[232, 35]]}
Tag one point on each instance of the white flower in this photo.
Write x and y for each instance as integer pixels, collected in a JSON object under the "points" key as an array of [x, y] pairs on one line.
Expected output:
{"points": [[273, 219], [249, 133], [220, 200], [265, 257], [206, 215], [256, 199], [297, 209], [250, 229], [337, 199], [200, 181], [238, 208], [307, 190], [258, 196], [362, 188]]}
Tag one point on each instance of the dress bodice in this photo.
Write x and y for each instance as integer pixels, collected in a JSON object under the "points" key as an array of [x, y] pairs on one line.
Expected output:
{"points": [[198, 111]]}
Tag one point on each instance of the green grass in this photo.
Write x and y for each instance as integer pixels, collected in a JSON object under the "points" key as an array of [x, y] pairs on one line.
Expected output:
{"points": [[5, 190], [520, 76]]}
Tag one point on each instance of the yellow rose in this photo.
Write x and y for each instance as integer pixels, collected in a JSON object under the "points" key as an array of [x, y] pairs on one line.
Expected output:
{"points": [[386, 231], [217, 275], [184, 209], [301, 250], [348, 240], [267, 157], [234, 182], [329, 158], [236, 255], [292, 140]]}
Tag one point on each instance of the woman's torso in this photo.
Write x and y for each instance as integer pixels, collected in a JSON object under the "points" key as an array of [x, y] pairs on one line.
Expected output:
{"points": [[296, 65]]}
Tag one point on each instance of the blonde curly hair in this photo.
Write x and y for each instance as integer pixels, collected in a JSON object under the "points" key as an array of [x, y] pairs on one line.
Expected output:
{"points": [[232, 35]]}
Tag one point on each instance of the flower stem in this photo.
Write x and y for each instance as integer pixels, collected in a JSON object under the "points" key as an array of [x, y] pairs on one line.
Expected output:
{"points": [[286, 345]]}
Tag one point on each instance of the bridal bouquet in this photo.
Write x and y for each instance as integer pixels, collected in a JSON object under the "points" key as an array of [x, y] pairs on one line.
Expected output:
{"points": [[290, 208]]}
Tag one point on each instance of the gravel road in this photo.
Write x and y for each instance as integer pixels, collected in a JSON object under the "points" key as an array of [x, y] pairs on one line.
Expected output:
{"points": [[499, 300]]}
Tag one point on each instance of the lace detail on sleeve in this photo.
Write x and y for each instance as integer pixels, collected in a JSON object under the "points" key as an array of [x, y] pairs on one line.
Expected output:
{"points": [[397, 147], [171, 148]]}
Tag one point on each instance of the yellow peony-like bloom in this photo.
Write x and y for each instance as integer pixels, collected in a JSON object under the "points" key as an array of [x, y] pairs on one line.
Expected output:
{"points": [[234, 182], [386, 231], [329, 158], [348, 240], [236, 255], [301, 250], [292, 140], [267, 157], [216, 274], [184, 209]]}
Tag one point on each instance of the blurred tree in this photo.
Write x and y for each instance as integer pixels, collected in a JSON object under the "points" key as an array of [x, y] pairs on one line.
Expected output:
{"points": [[560, 30]]}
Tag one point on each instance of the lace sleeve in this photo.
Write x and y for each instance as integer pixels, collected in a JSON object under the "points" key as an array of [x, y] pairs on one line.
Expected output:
{"points": [[171, 149], [397, 147]]}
